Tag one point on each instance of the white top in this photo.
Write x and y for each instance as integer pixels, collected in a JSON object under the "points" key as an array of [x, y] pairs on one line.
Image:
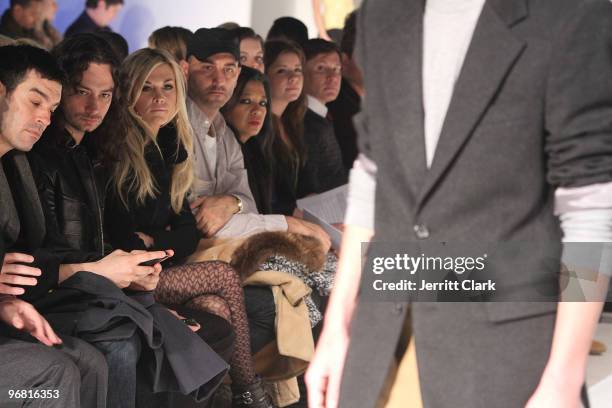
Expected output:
{"points": [[448, 26], [316, 106]]}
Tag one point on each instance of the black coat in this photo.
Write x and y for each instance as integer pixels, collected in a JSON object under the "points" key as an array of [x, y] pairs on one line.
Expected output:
{"points": [[155, 217], [342, 110], [71, 186], [323, 169], [23, 224], [92, 308], [84, 24]]}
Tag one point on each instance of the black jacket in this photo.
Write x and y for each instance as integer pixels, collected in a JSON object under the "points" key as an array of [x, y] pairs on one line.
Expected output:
{"points": [[22, 222], [342, 110], [155, 217], [71, 187], [323, 169], [92, 308], [84, 24]]}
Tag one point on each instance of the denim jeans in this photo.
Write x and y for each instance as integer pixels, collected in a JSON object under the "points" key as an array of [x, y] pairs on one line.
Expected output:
{"points": [[122, 358]]}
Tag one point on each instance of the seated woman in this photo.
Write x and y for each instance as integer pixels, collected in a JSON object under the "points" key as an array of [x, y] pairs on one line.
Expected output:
{"points": [[251, 48], [285, 150], [172, 39], [248, 114], [147, 207], [72, 184]]}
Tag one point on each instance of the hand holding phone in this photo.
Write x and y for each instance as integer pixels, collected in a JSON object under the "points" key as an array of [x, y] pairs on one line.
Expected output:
{"points": [[152, 262]]}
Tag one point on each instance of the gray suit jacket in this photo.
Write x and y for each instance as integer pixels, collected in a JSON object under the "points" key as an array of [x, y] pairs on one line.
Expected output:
{"points": [[531, 111]]}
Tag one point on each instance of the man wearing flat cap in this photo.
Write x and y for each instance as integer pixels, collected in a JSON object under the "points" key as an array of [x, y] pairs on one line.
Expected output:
{"points": [[221, 198]]}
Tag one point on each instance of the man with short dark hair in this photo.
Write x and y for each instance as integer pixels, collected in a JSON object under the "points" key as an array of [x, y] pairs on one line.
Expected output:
{"points": [[30, 89], [21, 18], [221, 196], [323, 169], [97, 15]]}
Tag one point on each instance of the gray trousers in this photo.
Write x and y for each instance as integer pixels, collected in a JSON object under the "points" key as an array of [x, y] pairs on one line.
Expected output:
{"points": [[72, 375]]}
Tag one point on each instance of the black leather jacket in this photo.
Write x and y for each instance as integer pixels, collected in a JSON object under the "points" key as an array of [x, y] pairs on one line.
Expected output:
{"points": [[71, 188]]}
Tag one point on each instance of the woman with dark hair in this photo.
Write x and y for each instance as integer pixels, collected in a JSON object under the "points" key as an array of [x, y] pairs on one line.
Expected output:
{"points": [[251, 48], [248, 114], [284, 149]]}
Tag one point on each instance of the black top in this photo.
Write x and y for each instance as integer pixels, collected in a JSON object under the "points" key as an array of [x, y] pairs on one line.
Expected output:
{"points": [[260, 174], [155, 217], [323, 169], [341, 112], [71, 188], [284, 185], [24, 229], [84, 24]]}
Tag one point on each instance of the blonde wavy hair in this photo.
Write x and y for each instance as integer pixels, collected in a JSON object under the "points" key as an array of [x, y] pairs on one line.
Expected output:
{"points": [[131, 174]]}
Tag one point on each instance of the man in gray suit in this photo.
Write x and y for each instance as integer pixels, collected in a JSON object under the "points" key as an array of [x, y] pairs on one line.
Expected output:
{"points": [[487, 121]]}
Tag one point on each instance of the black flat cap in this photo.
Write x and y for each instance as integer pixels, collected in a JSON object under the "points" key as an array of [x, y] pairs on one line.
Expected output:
{"points": [[209, 41]]}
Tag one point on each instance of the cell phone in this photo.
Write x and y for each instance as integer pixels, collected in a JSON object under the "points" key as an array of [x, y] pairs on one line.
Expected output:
{"points": [[189, 321], [154, 261]]}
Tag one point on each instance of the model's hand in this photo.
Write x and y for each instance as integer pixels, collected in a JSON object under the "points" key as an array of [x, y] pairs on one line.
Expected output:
{"points": [[213, 213], [13, 273], [557, 390], [22, 316], [325, 370]]}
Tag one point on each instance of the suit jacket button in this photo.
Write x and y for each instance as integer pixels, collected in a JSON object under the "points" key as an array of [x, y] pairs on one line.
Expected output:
{"points": [[421, 231]]}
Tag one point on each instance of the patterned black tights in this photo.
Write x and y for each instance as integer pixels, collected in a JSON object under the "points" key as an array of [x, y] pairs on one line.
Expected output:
{"points": [[186, 283]]}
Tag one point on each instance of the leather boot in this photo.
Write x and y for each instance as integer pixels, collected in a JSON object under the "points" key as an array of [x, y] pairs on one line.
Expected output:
{"points": [[251, 396]]}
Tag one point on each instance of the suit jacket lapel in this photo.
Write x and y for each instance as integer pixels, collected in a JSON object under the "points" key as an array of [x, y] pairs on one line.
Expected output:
{"points": [[404, 99], [492, 52], [33, 221], [9, 219]]}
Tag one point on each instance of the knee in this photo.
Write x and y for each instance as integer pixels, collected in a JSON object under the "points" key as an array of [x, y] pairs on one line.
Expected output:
{"points": [[89, 361], [59, 369], [229, 274], [121, 352]]}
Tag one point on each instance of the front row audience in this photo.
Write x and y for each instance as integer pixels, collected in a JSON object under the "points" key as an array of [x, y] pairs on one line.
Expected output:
{"points": [[138, 160]]}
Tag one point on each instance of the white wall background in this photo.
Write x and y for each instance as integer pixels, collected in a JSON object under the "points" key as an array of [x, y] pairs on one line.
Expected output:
{"points": [[139, 18]]}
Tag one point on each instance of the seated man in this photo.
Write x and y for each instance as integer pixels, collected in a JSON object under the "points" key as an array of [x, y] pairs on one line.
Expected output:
{"points": [[72, 188], [21, 18], [323, 169], [30, 88], [97, 15], [221, 197]]}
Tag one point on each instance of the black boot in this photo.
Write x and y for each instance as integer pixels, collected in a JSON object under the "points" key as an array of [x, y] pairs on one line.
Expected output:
{"points": [[251, 396]]}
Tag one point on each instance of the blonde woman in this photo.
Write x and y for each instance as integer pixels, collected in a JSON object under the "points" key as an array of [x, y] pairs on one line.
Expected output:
{"points": [[148, 208]]}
